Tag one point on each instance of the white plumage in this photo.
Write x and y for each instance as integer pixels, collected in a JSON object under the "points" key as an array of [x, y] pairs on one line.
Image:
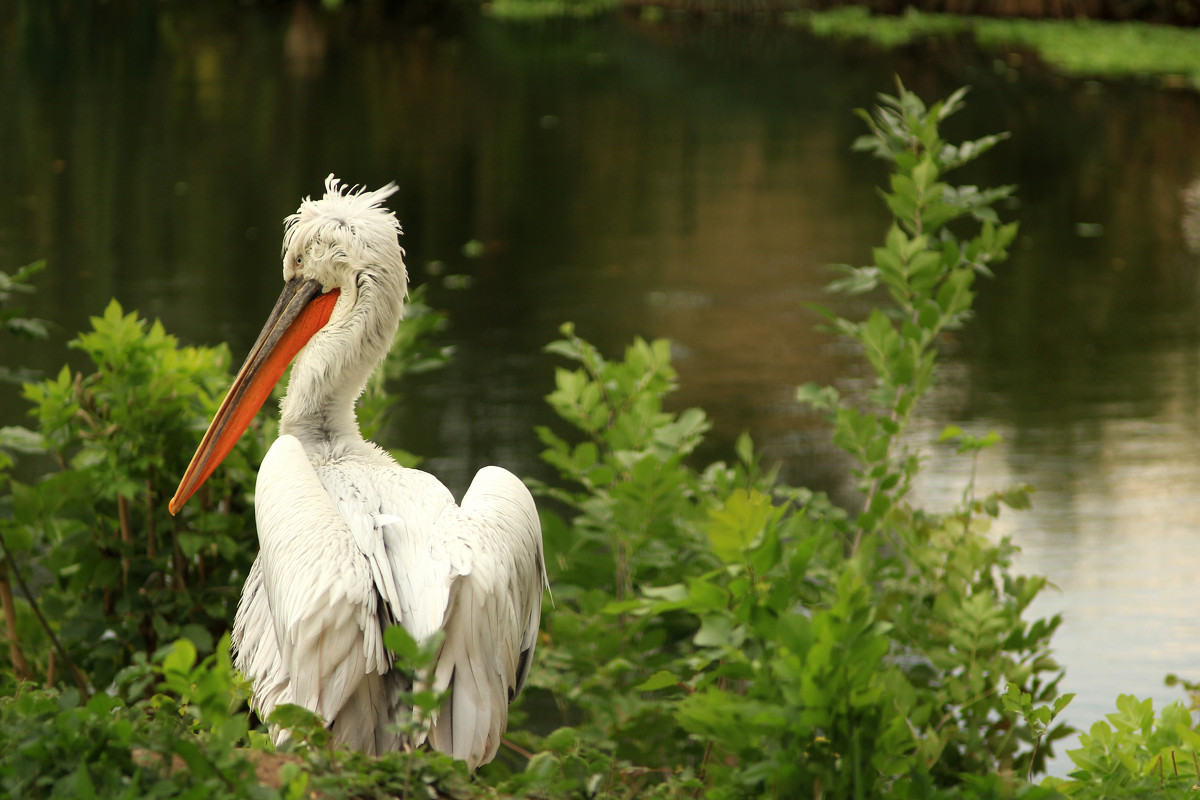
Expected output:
{"points": [[351, 542]]}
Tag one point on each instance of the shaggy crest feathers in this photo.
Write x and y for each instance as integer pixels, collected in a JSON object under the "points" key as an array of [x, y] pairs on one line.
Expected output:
{"points": [[347, 210]]}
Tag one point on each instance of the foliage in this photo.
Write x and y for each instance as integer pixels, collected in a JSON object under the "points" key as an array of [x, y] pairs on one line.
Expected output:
{"points": [[59, 744], [636, 521], [15, 440], [630, 469], [191, 738], [1039, 718], [762, 641], [14, 318], [120, 575], [117, 575], [1077, 47], [1136, 753], [532, 10]]}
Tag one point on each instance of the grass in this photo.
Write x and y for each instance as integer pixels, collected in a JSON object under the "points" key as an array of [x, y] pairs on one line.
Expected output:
{"points": [[1083, 48], [528, 10]]}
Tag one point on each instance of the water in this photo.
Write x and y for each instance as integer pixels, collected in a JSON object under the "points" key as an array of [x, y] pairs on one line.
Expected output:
{"points": [[682, 181]]}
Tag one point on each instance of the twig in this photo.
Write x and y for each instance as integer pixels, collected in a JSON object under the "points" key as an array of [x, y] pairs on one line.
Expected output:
{"points": [[126, 537], [16, 573], [20, 666], [151, 539], [516, 748], [702, 774]]}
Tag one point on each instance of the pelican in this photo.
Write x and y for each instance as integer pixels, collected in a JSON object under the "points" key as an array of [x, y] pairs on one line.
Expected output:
{"points": [[350, 542]]}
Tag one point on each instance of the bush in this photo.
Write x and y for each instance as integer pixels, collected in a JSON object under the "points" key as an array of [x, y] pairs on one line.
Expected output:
{"points": [[727, 634]]}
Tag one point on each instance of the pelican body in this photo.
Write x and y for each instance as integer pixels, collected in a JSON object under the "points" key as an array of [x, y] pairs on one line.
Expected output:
{"points": [[350, 542]]}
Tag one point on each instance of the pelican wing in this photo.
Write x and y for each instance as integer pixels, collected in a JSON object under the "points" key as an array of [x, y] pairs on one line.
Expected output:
{"points": [[255, 650], [310, 626], [493, 608], [475, 571], [346, 551]]}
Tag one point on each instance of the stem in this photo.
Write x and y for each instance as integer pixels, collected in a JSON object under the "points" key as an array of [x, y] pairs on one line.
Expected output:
{"points": [[702, 774], [875, 484], [969, 491], [151, 539], [181, 577], [16, 573], [126, 537], [516, 748], [20, 666], [179, 562], [1032, 757], [624, 579]]}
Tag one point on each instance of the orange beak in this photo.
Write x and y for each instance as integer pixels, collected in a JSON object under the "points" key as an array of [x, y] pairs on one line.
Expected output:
{"points": [[301, 311]]}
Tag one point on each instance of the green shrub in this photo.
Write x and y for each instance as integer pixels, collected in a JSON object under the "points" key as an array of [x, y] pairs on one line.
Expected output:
{"points": [[718, 631], [120, 574]]}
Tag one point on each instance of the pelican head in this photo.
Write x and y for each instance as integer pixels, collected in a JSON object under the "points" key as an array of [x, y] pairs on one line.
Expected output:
{"points": [[338, 239], [343, 295]]}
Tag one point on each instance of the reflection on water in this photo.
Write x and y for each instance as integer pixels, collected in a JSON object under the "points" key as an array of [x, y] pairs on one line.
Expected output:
{"points": [[688, 183]]}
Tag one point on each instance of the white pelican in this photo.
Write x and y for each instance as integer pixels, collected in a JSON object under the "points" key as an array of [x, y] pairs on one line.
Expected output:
{"points": [[350, 542]]}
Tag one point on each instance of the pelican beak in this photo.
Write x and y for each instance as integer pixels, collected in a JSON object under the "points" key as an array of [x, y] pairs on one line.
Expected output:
{"points": [[301, 311]]}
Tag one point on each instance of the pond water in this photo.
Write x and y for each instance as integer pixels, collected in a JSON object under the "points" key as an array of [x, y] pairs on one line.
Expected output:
{"points": [[679, 181]]}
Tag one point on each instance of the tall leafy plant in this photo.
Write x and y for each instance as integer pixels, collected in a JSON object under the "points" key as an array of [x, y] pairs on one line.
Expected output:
{"points": [[942, 585], [19, 623], [759, 640], [119, 574]]}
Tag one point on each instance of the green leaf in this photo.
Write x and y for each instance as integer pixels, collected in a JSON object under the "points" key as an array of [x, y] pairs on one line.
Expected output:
{"points": [[192, 543], [659, 680], [17, 538], [925, 174], [715, 631], [543, 766], [199, 637], [950, 432], [180, 658], [21, 440], [401, 642], [822, 398], [736, 525], [288, 715], [744, 448]]}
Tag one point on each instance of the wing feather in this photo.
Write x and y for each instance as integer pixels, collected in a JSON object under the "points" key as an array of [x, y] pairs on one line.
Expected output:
{"points": [[255, 650], [319, 587], [355, 545], [492, 612]]}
